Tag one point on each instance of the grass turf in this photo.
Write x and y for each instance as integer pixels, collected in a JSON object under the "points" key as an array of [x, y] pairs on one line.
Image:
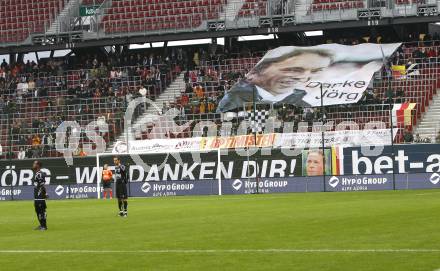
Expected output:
{"points": [[361, 220]]}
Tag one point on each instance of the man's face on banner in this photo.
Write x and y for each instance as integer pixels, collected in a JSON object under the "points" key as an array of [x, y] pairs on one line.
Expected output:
{"points": [[315, 164], [283, 76]]}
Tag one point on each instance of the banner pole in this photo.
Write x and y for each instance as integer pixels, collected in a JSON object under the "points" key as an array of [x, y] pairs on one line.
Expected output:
{"points": [[392, 143], [98, 177], [389, 76], [10, 150], [390, 110], [219, 173], [254, 130], [323, 136]]}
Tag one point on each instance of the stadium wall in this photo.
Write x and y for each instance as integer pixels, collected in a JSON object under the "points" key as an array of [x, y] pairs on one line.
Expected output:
{"points": [[398, 167]]}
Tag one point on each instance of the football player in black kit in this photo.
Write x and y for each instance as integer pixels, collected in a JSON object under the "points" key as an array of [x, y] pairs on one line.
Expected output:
{"points": [[121, 186], [39, 195]]}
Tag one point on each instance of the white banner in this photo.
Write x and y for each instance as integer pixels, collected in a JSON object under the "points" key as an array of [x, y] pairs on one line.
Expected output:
{"points": [[158, 145], [296, 75], [348, 138]]}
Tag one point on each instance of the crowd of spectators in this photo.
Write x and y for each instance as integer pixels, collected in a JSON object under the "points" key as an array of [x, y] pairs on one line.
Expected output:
{"points": [[58, 82]]}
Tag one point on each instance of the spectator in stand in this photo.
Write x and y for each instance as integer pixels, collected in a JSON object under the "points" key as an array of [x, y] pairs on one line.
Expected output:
{"points": [[212, 101], [21, 154], [418, 139], [188, 88], [4, 64], [418, 55], [165, 108], [408, 136], [82, 153], [202, 106], [2, 74], [36, 140], [186, 77], [143, 93], [158, 79], [193, 76], [437, 138], [200, 75], [308, 114], [432, 54], [184, 99], [198, 90], [2, 105]]}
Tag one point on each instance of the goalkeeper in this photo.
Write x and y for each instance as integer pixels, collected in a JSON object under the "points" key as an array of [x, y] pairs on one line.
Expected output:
{"points": [[107, 177]]}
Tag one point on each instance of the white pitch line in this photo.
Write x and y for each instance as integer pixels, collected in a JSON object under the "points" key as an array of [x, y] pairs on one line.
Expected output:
{"points": [[431, 193], [215, 251], [214, 199]]}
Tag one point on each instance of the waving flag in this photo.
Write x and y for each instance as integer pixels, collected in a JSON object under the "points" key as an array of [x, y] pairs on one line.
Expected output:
{"points": [[402, 114]]}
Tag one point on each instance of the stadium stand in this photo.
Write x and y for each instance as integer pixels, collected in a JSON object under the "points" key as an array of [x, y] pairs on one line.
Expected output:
{"points": [[81, 95], [148, 15], [92, 2], [253, 8], [319, 5], [95, 89], [20, 18]]}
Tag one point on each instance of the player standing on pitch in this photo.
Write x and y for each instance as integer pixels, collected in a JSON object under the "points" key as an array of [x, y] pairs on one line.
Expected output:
{"points": [[39, 195], [107, 177], [121, 186]]}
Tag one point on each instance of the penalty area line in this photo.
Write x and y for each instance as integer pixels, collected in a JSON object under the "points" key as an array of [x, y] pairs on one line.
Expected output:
{"points": [[215, 251]]}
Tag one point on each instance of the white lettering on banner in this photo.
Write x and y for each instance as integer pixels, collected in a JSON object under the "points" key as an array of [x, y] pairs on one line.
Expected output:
{"points": [[173, 187], [274, 169], [204, 171], [153, 173], [207, 171], [13, 177], [227, 173], [139, 169], [347, 138], [342, 76], [384, 164], [381, 163], [168, 173], [363, 181], [169, 189], [80, 192], [264, 186], [26, 177], [356, 183], [435, 160], [159, 145], [9, 192], [85, 175], [187, 172]]}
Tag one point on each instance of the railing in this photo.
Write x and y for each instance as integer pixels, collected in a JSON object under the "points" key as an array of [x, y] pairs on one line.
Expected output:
{"points": [[34, 118], [245, 14], [22, 106]]}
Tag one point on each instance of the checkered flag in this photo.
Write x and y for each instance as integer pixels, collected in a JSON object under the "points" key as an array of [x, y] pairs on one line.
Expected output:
{"points": [[258, 120]]}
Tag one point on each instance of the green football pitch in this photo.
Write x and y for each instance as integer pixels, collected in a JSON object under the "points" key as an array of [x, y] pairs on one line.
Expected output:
{"points": [[393, 230]]}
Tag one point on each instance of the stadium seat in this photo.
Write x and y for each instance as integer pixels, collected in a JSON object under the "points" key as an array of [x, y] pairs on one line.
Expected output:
{"points": [[20, 18], [124, 15]]}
